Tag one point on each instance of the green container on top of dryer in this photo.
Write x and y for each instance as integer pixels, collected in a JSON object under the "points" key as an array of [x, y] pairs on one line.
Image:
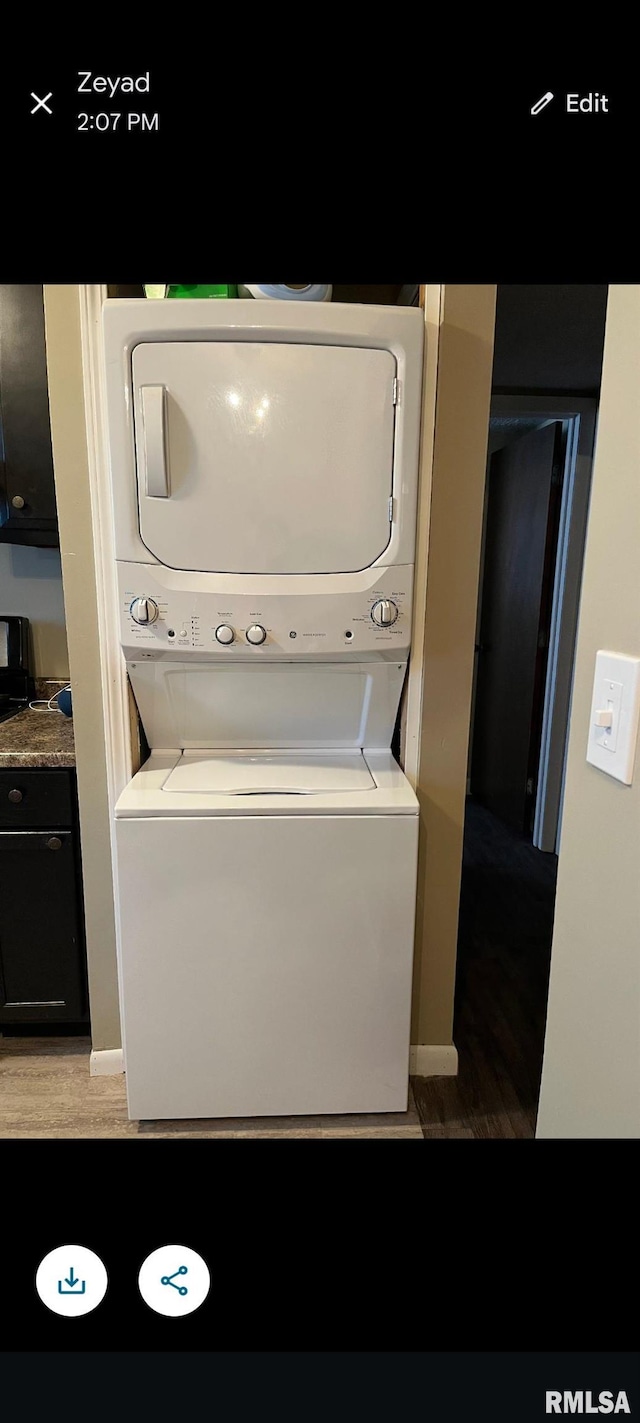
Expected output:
{"points": [[202, 292]]}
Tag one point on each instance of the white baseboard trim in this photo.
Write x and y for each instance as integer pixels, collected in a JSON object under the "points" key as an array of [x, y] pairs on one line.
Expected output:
{"points": [[433, 1060], [425, 1060], [107, 1063]]}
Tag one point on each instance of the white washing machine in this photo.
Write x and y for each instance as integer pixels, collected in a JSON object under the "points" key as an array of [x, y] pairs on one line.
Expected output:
{"points": [[264, 461]]}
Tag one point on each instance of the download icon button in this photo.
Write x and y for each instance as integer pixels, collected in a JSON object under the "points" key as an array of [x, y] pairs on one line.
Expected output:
{"points": [[71, 1280]]}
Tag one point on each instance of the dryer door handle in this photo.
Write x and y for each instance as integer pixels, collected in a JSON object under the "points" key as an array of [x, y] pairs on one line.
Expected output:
{"points": [[154, 421]]}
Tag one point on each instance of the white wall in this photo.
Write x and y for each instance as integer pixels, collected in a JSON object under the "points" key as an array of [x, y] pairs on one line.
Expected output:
{"points": [[31, 586], [70, 460], [444, 653], [591, 1071]]}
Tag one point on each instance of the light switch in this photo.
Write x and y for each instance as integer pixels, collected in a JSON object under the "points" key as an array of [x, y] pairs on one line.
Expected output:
{"points": [[615, 709], [607, 717]]}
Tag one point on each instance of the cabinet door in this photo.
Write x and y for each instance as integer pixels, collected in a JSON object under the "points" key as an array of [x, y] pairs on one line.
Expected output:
{"points": [[27, 494], [41, 960]]}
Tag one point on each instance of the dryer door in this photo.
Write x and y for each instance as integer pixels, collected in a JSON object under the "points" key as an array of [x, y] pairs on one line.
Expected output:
{"points": [[264, 457]]}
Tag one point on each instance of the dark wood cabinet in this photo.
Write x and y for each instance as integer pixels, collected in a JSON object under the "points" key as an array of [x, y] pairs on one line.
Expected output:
{"points": [[27, 492], [42, 956]]}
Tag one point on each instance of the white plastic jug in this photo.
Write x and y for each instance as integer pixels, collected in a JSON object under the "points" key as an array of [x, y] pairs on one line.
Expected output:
{"points": [[288, 293]]}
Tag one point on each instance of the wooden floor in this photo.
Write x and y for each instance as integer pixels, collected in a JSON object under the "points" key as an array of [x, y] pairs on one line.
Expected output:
{"points": [[504, 951], [46, 1091], [506, 919]]}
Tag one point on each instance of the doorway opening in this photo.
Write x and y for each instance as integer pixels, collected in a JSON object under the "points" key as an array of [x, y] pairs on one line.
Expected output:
{"points": [[540, 453], [546, 377]]}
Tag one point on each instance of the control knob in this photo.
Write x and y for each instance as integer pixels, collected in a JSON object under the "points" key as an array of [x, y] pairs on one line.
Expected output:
{"points": [[256, 634], [144, 610], [384, 613], [225, 634]]}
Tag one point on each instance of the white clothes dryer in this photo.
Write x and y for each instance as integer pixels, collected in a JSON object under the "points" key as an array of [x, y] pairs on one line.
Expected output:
{"points": [[264, 475]]}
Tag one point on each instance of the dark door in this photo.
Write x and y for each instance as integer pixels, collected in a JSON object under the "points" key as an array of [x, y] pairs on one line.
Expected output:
{"points": [[41, 974], [521, 539]]}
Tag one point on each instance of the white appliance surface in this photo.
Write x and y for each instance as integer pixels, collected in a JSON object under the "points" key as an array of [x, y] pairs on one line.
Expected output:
{"points": [[278, 457], [310, 494], [266, 962], [264, 467], [295, 705], [241, 773], [192, 784], [303, 618]]}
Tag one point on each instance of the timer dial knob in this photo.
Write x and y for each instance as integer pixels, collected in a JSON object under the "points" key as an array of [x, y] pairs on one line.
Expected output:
{"points": [[225, 634], [384, 613], [144, 610], [256, 634]]}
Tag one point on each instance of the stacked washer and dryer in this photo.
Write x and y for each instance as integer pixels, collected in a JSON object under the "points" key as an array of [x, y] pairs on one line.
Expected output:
{"points": [[264, 463]]}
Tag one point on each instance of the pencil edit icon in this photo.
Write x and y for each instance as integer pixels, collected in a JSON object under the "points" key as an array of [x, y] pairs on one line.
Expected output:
{"points": [[542, 103]]}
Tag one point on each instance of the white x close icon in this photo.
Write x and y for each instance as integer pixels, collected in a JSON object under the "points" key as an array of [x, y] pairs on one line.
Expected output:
{"points": [[42, 103]]}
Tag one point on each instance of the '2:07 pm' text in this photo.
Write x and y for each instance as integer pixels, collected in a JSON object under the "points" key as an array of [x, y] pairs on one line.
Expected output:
{"points": [[104, 123]]}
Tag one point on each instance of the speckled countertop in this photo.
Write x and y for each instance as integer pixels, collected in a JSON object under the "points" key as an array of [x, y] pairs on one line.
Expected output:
{"points": [[38, 737]]}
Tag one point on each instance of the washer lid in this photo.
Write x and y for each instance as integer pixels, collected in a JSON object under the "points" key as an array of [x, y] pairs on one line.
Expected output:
{"points": [[246, 773]]}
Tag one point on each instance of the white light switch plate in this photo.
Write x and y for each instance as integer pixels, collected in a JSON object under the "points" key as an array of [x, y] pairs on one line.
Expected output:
{"points": [[616, 689]]}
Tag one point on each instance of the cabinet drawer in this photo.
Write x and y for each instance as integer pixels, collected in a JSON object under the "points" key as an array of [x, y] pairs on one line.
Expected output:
{"points": [[31, 797]]}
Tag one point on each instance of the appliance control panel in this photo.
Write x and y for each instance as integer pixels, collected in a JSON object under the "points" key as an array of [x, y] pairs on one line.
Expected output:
{"points": [[161, 622]]}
